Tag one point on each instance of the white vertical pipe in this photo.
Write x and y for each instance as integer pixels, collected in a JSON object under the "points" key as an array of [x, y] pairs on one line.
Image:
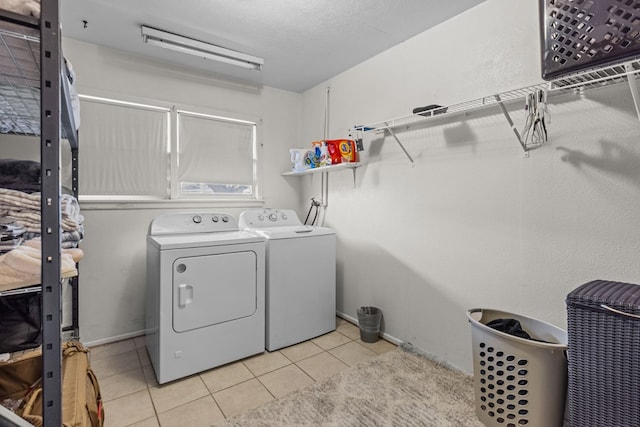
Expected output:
{"points": [[325, 175]]}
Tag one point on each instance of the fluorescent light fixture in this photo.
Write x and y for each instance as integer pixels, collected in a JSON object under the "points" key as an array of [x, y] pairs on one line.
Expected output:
{"points": [[201, 49]]}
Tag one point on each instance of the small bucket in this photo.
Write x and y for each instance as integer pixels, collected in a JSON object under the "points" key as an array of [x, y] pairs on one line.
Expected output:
{"points": [[369, 319]]}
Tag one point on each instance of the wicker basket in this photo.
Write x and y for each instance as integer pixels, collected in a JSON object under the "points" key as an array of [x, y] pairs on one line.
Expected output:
{"points": [[604, 355], [518, 381]]}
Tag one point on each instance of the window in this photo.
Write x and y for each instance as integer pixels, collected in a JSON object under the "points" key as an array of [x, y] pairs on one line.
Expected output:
{"points": [[216, 155], [138, 151], [123, 149]]}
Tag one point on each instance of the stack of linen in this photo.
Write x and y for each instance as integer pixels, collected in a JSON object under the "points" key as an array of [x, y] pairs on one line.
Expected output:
{"points": [[24, 209], [11, 236]]}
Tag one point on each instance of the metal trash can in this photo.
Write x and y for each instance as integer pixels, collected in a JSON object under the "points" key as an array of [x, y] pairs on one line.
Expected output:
{"points": [[369, 319], [518, 381]]}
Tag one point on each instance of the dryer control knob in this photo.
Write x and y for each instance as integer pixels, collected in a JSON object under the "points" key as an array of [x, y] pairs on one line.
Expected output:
{"points": [[225, 219], [273, 217], [283, 216], [214, 219], [260, 217], [197, 219]]}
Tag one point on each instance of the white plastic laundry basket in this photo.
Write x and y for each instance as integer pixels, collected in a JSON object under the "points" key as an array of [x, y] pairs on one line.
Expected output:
{"points": [[517, 381]]}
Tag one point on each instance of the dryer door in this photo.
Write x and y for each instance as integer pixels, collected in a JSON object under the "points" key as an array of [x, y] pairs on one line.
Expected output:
{"points": [[212, 289]]}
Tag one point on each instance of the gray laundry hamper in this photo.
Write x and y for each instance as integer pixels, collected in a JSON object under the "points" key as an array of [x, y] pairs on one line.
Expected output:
{"points": [[604, 355], [518, 381]]}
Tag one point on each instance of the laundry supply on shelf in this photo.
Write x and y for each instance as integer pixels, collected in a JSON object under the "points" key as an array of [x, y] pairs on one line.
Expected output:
{"points": [[301, 159], [320, 154], [324, 153]]}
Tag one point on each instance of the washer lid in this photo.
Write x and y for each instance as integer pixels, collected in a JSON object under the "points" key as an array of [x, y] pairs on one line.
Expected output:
{"points": [[292, 232], [198, 240]]}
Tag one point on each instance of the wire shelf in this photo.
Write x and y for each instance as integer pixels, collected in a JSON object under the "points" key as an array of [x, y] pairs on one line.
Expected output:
{"points": [[597, 78], [605, 76], [20, 80]]}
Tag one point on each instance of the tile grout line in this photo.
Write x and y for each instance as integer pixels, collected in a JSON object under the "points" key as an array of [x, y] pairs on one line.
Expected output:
{"points": [[281, 368], [212, 397], [153, 405], [114, 375], [266, 388]]}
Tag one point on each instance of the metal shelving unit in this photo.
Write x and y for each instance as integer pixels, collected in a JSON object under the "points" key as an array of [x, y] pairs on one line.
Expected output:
{"points": [[50, 63], [616, 74], [34, 97]]}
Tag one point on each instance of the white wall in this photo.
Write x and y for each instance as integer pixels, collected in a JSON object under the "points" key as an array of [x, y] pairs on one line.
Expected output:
{"points": [[114, 267], [474, 223]]}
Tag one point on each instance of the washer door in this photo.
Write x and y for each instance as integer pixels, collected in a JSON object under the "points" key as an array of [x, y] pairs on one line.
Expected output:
{"points": [[212, 289]]}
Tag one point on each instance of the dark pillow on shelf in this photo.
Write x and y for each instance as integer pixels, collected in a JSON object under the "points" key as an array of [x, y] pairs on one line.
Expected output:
{"points": [[21, 175], [27, 171]]}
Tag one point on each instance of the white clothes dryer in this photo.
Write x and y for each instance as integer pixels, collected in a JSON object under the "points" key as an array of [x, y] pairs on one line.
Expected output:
{"points": [[300, 276], [205, 293]]}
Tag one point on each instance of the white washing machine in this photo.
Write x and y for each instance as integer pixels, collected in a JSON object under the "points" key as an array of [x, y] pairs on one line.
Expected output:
{"points": [[205, 293], [301, 276]]}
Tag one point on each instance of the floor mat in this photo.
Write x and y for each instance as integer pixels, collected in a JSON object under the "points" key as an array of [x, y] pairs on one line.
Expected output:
{"points": [[401, 387]]}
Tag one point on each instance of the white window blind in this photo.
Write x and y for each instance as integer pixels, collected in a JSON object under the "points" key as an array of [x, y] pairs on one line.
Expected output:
{"points": [[124, 149], [216, 155], [137, 151]]}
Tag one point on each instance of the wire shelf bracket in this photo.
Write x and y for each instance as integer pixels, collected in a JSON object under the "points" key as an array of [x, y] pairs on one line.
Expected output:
{"points": [[633, 86], [513, 127], [393, 134]]}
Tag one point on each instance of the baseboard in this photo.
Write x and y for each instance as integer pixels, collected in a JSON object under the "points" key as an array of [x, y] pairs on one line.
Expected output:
{"points": [[384, 335], [110, 340], [136, 334]]}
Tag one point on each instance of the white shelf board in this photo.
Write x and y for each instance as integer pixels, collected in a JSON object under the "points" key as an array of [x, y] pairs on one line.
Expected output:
{"points": [[330, 168]]}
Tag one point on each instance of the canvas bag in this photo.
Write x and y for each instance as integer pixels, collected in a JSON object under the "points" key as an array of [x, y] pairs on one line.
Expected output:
{"points": [[81, 399]]}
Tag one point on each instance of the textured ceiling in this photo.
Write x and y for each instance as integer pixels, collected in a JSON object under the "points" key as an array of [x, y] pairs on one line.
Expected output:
{"points": [[303, 42]]}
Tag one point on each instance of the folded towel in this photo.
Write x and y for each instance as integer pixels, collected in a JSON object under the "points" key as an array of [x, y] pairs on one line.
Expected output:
{"points": [[75, 253], [24, 209], [31, 220], [21, 266], [15, 204]]}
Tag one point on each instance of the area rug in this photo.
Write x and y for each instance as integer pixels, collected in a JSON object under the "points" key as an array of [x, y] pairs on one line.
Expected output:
{"points": [[398, 388]]}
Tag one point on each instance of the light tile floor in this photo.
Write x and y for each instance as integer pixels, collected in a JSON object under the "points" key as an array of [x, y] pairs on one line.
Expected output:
{"points": [[133, 397]]}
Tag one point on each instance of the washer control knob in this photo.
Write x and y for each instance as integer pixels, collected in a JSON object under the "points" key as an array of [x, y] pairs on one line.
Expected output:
{"points": [[273, 217], [283, 216], [260, 217], [225, 219], [214, 219], [197, 219]]}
